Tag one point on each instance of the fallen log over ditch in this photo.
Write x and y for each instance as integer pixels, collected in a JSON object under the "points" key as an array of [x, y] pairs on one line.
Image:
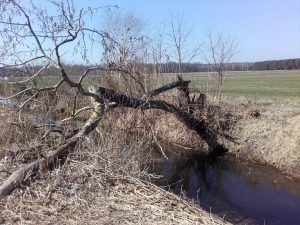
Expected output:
{"points": [[201, 126], [117, 99]]}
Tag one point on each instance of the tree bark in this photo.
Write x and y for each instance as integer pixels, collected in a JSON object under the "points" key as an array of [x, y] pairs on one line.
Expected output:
{"points": [[179, 83], [201, 126], [24, 172]]}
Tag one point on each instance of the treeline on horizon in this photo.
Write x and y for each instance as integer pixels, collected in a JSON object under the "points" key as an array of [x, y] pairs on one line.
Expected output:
{"points": [[286, 64], [170, 67]]}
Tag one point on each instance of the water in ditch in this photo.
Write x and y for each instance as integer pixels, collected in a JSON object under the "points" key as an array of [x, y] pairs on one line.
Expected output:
{"points": [[7, 101], [239, 191]]}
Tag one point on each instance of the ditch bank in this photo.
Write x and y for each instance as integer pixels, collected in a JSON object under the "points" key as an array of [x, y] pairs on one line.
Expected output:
{"points": [[272, 139], [238, 191], [267, 134]]}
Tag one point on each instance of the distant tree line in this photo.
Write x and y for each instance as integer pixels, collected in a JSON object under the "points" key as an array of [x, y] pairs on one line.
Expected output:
{"points": [[170, 67], [75, 70], [286, 64]]}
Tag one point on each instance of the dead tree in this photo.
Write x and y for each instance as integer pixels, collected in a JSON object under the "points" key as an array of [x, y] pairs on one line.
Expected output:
{"points": [[47, 37], [180, 39], [220, 49], [119, 100]]}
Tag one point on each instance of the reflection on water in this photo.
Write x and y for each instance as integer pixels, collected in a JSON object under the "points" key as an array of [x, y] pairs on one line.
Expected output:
{"points": [[242, 192]]}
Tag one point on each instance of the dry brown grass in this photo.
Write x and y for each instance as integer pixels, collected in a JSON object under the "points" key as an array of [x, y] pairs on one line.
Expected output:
{"points": [[85, 194], [169, 129], [99, 183], [273, 138], [219, 117]]}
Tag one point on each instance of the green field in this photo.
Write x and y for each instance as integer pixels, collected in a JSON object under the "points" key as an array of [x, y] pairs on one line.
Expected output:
{"points": [[250, 84], [269, 84]]}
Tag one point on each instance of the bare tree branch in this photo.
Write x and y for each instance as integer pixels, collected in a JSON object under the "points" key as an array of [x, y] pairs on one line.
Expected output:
{"points": [[21, 64], [31, 77], [220, 50], [31, 29], [76, 113], [165, 88]]}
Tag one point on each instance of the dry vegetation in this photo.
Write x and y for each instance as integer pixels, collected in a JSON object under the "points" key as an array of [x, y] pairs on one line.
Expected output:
{"points": [[271, 138], [264, 132], [100, 182], [104, 181], [86, 169]]}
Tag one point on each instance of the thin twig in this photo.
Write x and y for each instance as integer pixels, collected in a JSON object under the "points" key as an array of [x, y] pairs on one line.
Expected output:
{"points": [[31, 77], [76, 113]]}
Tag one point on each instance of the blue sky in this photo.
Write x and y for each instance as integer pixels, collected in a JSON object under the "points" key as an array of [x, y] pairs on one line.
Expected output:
{"points": [[264, 29]]}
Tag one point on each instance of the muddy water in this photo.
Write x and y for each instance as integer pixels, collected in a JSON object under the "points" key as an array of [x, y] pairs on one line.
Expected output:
{"points": [[241, 192]]}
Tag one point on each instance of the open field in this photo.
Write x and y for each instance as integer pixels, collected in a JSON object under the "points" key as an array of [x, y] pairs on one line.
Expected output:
{"points": [[250, 84], [253, 84]]}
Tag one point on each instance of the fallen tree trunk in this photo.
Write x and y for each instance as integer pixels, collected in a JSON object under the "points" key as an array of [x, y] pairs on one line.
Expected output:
{"points": [[201, 126], [24, 172], [179, 83]]}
